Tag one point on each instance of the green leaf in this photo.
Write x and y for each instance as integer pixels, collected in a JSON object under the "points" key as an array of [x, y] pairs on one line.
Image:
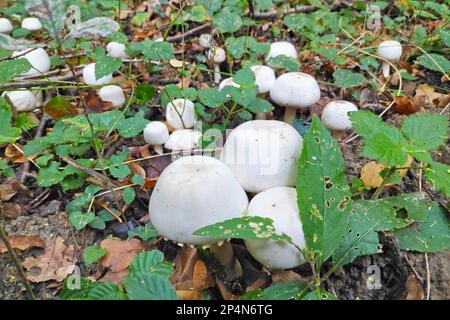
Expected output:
{"points": [[118, 169], [105, 65], [10, 69], [8, 134], [93, 253], [212, 97], [105, 291], [440, 63], [249, 228], [431, 235], [260, 106], [144, 232], [150, 262], [95, 28], [348, 79], [80, 220], [284, 62], [145, 92], [227, 21], [71, 291], [128, 195], [319, 295], [238, 47], [58, 107], [50, 175], [245, 78], [5, 170], [132, 126], [439, 175], [323, 194], [51, 13], [289, 290], [149, 287], [382, 142], [445, 36], [154, 50]]}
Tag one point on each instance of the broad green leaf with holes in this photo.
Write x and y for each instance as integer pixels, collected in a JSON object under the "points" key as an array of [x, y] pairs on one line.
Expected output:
{"points": [[323, 194], [319, 294], [284, 62], [105, 65], [348, 79], [435, 62], [439, 176], [212, 97], [288, 290], [10, 69]]}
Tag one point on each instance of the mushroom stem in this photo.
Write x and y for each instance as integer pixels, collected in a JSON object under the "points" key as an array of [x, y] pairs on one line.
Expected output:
{"points": [[386, 69], [158, 149], [261, 116], [217, 75], [289, 115], [225, 254], [337, 134]]}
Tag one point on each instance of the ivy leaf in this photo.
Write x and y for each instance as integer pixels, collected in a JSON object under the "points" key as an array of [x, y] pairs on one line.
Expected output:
{"points": [[144, 232], [10, 69], [212, 97], [105, 65], [149, 287], [439, 175], [426, 60], [431, 235], [323, 194], [80, 220], [154, 50], [288, 290], [8, 134], [227, 21], [348, 79], [93, 253]]}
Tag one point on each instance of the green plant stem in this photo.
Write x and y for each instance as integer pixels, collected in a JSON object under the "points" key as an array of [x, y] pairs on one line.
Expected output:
{"points": [[383, 183]]}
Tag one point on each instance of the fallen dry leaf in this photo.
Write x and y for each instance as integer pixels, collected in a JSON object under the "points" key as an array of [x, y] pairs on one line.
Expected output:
{"points": [[94, 104], [22, 243], [201, 277], [56, 263], [286, 275], [176, 63], [14, 155], [370, 173], [184, 268], [12, 210], [415, 291], [429, 92], [403, 105], [189, 295], [10, 188]]}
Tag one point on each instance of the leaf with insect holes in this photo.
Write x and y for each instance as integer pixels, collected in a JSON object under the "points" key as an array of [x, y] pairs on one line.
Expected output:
{"points": [[288, 290], [144, 232], [212, 98], [435, 62], [248, 228], [382, 142], [8, 134], [150, 262], [284, 62], [149, 287], [227, 21], [431, 235], [439, 175], [58, 107], [80, 220], [10, 69], [105, 65], [9, 43], [348, 79], [94, 29], [93, 253], [324, 197], [154, 50], [319, 294]]}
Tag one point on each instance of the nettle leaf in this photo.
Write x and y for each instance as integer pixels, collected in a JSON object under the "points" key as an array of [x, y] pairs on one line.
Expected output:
{"points": [[8, 134], [146, 232], [149, 287], [227, 21], [51, 13], [439, 175], [150, 262], [105, 65], [431, 235], [382, 142], [93, 253], [212, 97], [284, 62], [94, 29], [433, 61], [249, 228], [10, 69], [154, 50], [80, 220], [323, 193], [11, 44], [289, 290], [348, 79]]}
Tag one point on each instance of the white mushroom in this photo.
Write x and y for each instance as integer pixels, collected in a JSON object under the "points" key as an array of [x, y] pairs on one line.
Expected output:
{"points": [[90, 79], [156, 134], [205, 40], [183, 140], [281, 48], [335, 116], [191, 193], [264, 80], [5, 25], [38, 59], [24, 100], [180, 114], [116, 50], [280, 205], [228, 82], [113, 94], [216, 56], [294, 90], [263, 154], [390, 50], [31, 24]]}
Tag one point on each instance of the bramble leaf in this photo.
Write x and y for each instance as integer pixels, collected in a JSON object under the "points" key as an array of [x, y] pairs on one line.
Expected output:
{"points": [[10, 69], [348, 79]]}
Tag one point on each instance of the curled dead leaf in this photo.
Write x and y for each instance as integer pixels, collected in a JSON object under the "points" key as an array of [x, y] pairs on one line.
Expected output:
{"points": [[371, 173], [201, 277], [15, 155], [22, 242], [414, 289], [10, 188], [12, 210], [403, 105]]}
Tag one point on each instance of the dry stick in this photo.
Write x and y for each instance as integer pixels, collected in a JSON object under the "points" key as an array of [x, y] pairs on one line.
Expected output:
{"points": [[190, 33], [88, 171], [168, 154], [39, 83], [428, 277]]}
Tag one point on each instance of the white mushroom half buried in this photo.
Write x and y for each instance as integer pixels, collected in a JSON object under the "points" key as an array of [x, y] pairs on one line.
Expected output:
{"points": [[263, 154], [281, 48], [90, 79], [216, 56], [295, 90], [194, 192], [156, 134], [335, 116], [180, 114], [116, 50], [280, 205], [24, 100], [183, 140], [113, 94], [5, 25], [31, 24], [38, 59], [390, 50], [228, 82]]}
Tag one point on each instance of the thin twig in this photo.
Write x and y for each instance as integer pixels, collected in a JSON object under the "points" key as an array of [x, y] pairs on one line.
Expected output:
{"points": [[190, 33], [88, 171], [428, 277]]}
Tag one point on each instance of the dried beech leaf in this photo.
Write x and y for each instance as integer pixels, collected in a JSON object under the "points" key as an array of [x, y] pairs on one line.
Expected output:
{"points": [[22, 243]]}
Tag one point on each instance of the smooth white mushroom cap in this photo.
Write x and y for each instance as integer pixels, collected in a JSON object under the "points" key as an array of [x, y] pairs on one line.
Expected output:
{"points": [[185, 109], [31, 24], [89, 76], [218, 55], [205, 40], [38, 58], [282, 48], [390, 50], [156, 133], [295, 90], [335, 115], [191, 193], [228, 82], [116, 50], [23, 100], [5, 25], [263, 154], [113, 94], [280, 205], [185, 139], [265, 78]]}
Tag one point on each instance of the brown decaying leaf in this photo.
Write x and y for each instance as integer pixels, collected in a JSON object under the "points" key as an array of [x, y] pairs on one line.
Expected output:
{"points": [[56, 263], [184, 268], [201, 277], [10, 188], [189, 295], [403, 105], [58, 107], [12, 210], [94, 104], [22, 242], [415, 291], [14, 155]]}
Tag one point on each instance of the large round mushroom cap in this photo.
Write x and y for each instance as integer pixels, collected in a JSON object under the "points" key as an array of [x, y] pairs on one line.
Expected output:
{"points": [[23, 100], [185, 139], [263, 154], [191, 193], [265, 78], [156, 133], [335, 115], [295, 90], [280, 205], [38, 59], [390, 50], [180, 114], [281, 48], [90, 79]]}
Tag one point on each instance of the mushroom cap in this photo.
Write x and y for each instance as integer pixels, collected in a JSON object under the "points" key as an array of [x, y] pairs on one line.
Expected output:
{"points": [[156, 133], [38, 58], [282, 48], [390, 50], [185, 139], [265, 78], [205, 40], [23, 100], [228, 82], [218, 55], [5, 25], [295, 90], [31, 24], [89, 76], [263, 154], [280, 205], [335, 115], [113, 94], [116, 50], [191, 193], [185, 109]]}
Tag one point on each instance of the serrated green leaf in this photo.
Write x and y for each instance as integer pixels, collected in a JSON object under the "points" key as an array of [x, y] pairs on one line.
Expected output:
{"points": [[149, 287], [154, 50], [128, 195], [288, 290], [227, 21], [348, 79], [435, 62], [105, 291], [105, 65], [80, 220], [212, 97], [445, 36], [284, 62], [10, 69], [8, 134], [144, 232], [93, 253], [132, 126], [150, 262], [50, 175], [439, 175], [260, 106]]}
